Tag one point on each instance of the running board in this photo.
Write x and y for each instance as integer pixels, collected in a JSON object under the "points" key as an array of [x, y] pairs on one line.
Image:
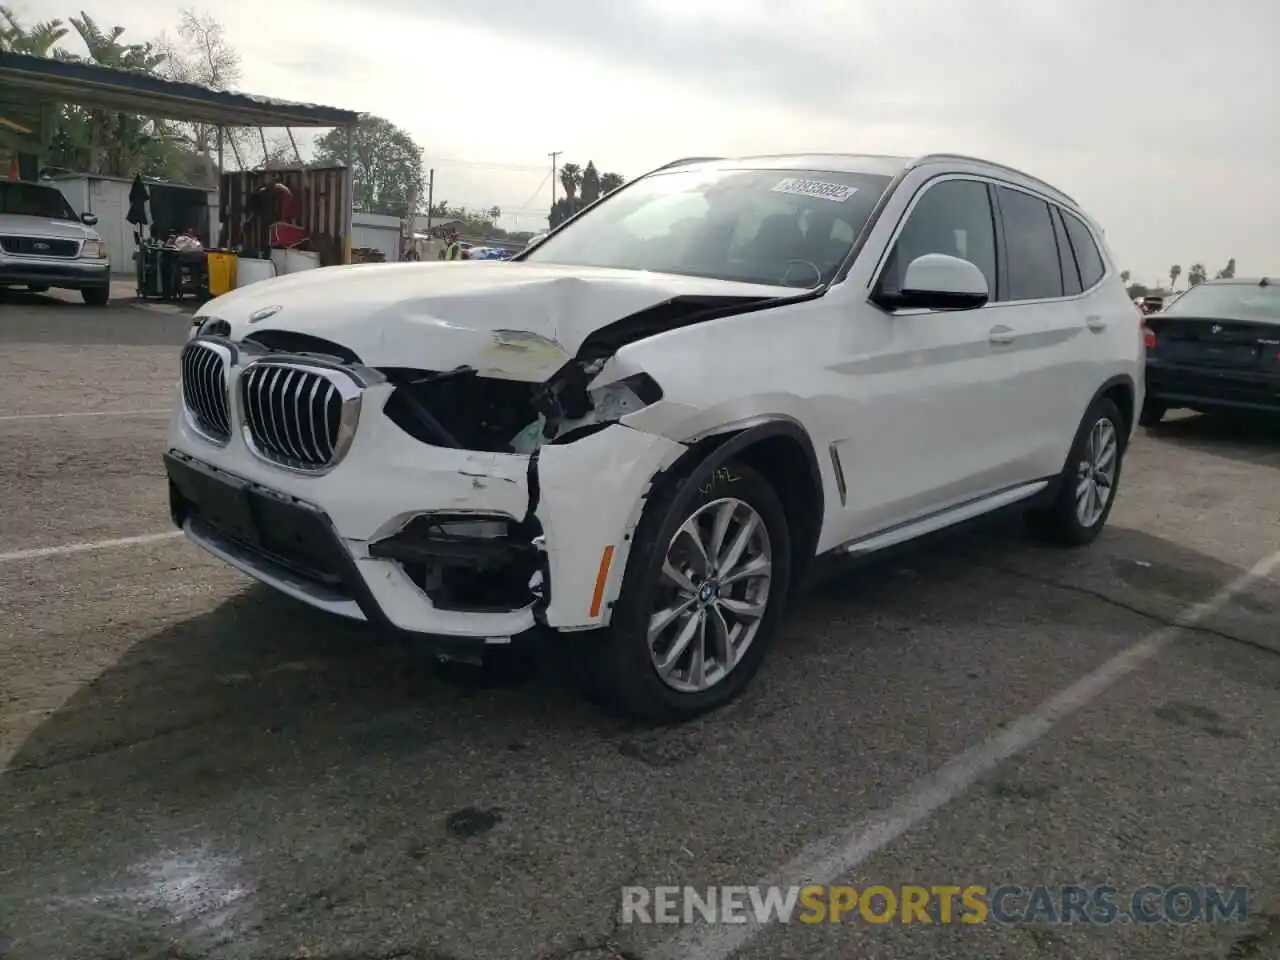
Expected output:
{"points": [[934, 522]]}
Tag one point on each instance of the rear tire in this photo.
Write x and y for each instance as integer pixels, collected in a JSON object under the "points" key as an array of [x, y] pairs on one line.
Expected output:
{"points": [[1089, 482], [728, 611], [96, 296], [1153, 412]]}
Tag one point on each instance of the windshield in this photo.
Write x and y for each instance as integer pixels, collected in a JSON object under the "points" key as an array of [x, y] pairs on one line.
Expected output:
{"points": [[32, 200], [779, 227], [1228, 301]]}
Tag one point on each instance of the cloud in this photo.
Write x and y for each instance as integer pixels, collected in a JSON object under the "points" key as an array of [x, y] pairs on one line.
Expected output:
{"points": [[1160, 118]]}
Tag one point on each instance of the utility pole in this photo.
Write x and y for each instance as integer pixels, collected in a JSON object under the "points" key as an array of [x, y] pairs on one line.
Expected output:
{"points": [[431, 191], [553, 155]]}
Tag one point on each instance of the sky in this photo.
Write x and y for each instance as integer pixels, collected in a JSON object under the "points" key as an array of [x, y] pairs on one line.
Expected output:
{"points": [[1159, 117]]}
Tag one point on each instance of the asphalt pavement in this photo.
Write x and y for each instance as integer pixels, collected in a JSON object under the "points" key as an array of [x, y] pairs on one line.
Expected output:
{"points": [[195, 767]]}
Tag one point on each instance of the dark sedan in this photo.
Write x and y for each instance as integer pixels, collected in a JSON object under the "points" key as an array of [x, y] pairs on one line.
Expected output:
{"points": [[1215, 347]]}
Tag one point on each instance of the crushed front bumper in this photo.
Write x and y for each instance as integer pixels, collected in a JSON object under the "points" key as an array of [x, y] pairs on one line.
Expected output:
{"points": [[348, 542]]}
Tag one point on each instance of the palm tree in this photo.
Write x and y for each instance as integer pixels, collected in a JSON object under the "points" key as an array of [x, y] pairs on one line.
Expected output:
{"points": [[1174, 273], [106, 142], [38, 40], [570, 179], [1196, 275]]}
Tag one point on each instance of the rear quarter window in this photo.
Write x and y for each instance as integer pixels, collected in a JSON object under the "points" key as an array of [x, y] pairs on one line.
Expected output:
{"points": [[1086, 250]]}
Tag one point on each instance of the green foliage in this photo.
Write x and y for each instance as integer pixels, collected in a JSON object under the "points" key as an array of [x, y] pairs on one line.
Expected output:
{"points": [[581, 187], [1229, 271], [1196, 275], [474, 222], [386, 165], [37, 40]]}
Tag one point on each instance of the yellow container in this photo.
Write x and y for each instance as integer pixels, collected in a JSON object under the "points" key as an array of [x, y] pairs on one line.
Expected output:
{"points": [[222, 273]]}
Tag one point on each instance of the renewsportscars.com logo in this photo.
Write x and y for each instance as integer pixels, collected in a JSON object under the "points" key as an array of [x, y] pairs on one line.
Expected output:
{"points": [[1007, 904]]}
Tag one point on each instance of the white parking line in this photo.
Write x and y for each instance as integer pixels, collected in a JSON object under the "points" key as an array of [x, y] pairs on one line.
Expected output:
{"points": [[38, 553], [830, 859], [85, 413]]}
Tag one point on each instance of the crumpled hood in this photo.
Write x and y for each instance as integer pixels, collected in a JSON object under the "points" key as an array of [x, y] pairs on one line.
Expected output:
{"points": [[512, 320], [23, 226]]}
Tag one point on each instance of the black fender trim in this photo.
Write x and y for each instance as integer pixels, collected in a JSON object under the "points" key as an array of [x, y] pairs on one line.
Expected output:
{"points": [[1119, 380], [709, 453]]}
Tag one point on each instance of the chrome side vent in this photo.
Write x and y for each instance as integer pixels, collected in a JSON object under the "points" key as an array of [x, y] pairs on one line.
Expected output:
{"points": [[298, 415], [205, 397]]}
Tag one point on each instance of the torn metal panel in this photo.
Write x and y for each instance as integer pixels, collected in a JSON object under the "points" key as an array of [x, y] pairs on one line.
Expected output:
{"points": [[592, 492]]}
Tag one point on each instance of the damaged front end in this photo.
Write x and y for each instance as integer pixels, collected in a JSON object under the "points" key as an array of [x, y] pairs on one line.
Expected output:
{"points": [[470, 562], [477, 562], [495, 406], [464, 410], [513, 501]]}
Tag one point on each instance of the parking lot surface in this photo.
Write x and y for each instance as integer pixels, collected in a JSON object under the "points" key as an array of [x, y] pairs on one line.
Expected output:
{"points": [[195, 767]]}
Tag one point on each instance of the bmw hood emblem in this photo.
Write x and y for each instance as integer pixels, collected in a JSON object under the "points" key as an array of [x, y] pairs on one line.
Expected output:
{"points": [[263, 313]]}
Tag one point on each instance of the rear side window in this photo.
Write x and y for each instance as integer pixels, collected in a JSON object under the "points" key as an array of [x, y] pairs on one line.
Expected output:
{"points": [[1070, 273], [951, 217], [1087, 254], [1035, 273]]}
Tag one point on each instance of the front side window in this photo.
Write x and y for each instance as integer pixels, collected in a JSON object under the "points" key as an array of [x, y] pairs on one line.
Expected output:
{"points": [[1035, 272], [779, 227], [1228, 301], [951, 217], [31, 200]]}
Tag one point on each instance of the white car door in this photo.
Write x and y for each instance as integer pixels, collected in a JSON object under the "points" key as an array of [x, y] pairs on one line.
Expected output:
{"points": [[929, 393], [1052, 371]]}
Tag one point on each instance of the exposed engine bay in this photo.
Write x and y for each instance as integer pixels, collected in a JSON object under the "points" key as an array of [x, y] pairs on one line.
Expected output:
{"points": [[463, 408]]}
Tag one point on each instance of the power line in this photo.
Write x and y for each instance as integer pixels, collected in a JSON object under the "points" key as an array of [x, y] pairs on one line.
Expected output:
{"points": [[528, 204], [491, 164]]}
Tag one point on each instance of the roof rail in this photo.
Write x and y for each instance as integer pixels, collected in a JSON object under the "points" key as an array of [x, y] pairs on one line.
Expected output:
{"points": [[681, 162], [929, 158]]}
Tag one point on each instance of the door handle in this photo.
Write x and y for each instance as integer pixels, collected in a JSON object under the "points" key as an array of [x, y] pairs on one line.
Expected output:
{"points": [[1002, 334], [1095, 323]]}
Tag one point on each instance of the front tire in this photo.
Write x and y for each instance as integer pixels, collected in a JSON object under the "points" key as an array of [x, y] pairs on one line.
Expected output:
{"points": [[96, 296], [1089, 481], [704, 590]]}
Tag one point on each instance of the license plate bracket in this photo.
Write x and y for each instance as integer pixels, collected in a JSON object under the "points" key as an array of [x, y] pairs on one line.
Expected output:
{"points": [[224, 502]]}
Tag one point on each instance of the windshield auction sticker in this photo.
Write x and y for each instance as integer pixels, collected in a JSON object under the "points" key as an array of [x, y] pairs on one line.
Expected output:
{"points": [[815, 188]]}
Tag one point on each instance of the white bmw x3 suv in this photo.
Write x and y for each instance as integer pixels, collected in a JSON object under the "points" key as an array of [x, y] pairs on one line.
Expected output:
{"points": [[649, 423]]}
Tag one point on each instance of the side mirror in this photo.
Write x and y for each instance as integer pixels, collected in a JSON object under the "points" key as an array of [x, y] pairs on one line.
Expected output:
{"points": [[89, 219], [937, 281]]}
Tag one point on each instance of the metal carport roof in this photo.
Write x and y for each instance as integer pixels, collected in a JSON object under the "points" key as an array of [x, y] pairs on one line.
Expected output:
{"points": [[90, 85]]}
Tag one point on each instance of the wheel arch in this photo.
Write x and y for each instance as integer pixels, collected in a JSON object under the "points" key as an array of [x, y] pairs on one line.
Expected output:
{"points": [[1121, 390], [781, 450]]}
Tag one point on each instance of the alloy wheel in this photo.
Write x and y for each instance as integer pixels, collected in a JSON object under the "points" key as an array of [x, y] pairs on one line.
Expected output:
{"points": [[713, 593], [1096, 473]]}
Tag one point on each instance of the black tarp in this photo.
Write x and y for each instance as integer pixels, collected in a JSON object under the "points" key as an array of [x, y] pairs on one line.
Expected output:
{"points": [[138, 203]]}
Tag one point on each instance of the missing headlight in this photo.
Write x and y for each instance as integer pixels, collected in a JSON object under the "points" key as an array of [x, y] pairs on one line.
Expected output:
{"points": [[468, 562], [603, 405]]}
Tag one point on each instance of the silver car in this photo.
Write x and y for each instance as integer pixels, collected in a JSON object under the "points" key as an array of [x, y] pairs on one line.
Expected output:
{"points": [[44, 243]]}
